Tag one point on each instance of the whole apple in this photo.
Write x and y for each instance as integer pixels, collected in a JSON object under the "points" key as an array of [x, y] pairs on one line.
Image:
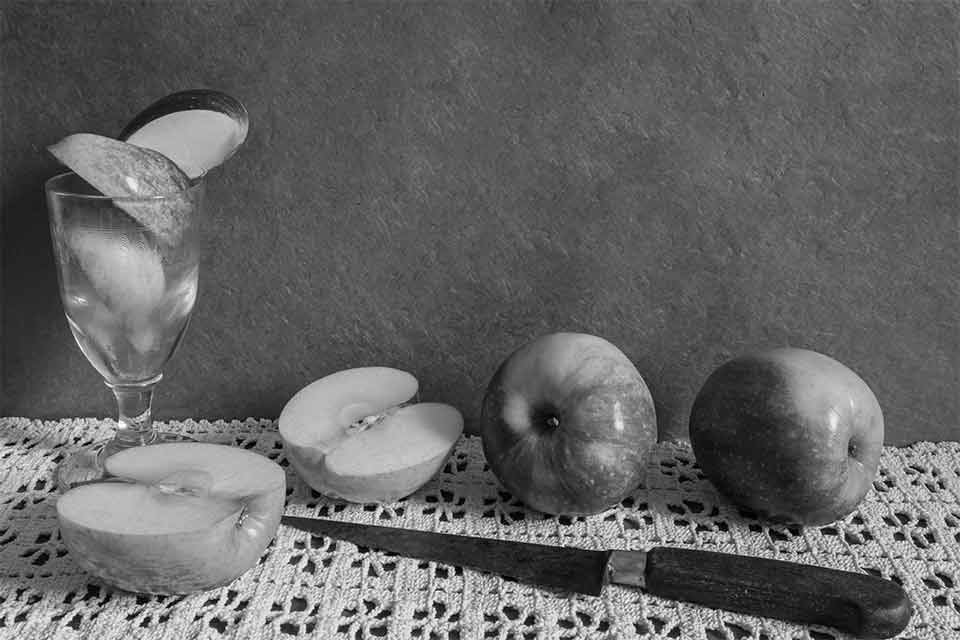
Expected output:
{"points": [[568, 423], [791, 434]]}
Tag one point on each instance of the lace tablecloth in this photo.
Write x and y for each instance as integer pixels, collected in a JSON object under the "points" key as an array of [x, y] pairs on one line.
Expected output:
{"points": [[907, 529]]}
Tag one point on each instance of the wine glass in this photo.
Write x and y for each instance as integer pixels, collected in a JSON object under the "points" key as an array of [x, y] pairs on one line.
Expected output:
{"points": [[128, 291]]}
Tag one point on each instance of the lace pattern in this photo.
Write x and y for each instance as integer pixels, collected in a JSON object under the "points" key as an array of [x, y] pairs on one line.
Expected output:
{"points": [[907, 529]]}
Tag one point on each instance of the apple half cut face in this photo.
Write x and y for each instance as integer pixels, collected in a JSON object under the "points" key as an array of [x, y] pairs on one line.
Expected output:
{"points": [[199, 129], [351, 436], [176, 518]]}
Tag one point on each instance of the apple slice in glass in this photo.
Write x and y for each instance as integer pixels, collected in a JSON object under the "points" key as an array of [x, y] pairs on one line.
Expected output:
{"points": [[177, 518], [349, 435], [199, 129], [129, 174], [128, 275]]}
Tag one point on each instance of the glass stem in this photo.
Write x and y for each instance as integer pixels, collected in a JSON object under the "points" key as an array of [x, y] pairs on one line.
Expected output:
{"points": [[134, 421]]}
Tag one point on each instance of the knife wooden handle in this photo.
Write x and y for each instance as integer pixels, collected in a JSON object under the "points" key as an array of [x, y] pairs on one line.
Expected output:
{"points": [[857, 603]]}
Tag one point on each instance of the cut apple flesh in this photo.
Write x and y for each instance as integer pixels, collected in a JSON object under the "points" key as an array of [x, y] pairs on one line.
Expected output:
{"points": [[398, 441], [346, 436], [197, 140], [179, 517], [232, 474], [394, 456], [135, 509], [321, 414], [198, 129]]}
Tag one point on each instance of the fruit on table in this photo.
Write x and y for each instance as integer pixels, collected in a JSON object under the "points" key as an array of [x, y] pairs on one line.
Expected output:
{"points": [[128, 174], [179, 517], [568, 423], [790, 434], [199, 129], [349, 435]]}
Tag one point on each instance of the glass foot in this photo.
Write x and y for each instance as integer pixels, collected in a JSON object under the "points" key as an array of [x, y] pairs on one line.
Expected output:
{"points": [[86, 465]]}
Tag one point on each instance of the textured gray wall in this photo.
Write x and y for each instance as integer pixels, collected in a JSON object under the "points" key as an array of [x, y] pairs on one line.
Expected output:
{"points": [[429, 185]]}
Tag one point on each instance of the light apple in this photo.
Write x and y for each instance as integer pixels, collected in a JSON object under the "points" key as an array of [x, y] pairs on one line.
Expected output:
{"points": [[567, 424], [351, 435], [790, 434], [174, 518]]}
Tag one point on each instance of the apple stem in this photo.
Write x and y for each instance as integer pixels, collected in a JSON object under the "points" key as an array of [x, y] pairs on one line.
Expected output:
{"points": [[852, 449], [553, 422]]}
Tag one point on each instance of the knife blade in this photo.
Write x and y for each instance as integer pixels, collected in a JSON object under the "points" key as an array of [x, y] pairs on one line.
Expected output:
{"points": [[864, 605]]}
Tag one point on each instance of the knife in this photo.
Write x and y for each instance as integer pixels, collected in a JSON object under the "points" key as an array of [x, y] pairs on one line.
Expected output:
{"points": [[857, 603]]}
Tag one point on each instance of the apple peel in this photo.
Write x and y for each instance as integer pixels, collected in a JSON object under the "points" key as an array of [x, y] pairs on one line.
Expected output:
{"points": [[353, 436], [567, 424], [791, 434], [184, 517]]}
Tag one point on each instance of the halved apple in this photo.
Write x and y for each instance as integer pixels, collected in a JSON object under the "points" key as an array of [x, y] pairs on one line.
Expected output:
{"points": [[199, 129], [177, 517], [350, 435]]}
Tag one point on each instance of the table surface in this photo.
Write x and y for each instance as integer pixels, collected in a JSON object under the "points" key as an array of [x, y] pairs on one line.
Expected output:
{"points": [[907, 529]]}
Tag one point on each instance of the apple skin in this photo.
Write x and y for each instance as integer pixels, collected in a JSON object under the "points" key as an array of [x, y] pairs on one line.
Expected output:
{"points": [[383, 489], [567, 424], [790, 434], [181, 563]]}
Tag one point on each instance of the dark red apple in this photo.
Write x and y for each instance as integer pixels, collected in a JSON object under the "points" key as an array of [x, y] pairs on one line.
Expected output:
{"points": [[567, 424], [790, 434]]}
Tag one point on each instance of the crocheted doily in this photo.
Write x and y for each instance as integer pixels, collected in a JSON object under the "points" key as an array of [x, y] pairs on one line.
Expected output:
{"points": [[907, 529]]}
